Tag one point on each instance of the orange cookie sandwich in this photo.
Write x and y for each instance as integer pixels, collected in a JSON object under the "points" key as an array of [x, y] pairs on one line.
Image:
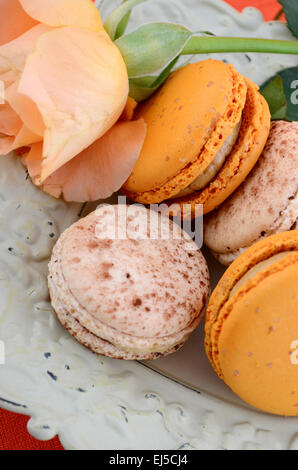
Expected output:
{"points": [[206, 128], [252, 325]]}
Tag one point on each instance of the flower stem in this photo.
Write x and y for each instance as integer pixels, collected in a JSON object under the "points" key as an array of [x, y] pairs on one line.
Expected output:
{"points": [[207, 45], [279, 15]]}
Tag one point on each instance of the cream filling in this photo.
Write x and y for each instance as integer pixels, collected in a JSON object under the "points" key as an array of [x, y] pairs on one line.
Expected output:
{"points": [[215, 166], [151, 350], [257, 269]]}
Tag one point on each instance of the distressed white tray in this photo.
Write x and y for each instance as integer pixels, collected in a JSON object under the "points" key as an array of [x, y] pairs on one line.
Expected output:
{"points": [[93, 402]]}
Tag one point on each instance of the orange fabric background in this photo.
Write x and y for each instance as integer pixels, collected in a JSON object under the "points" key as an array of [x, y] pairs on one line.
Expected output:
{"points": [[13, 431], [269, 8]]}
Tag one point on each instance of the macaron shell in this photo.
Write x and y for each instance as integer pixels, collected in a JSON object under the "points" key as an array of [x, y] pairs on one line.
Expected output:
{"points": [[251, 142], [286, 241], [256, 208], [255, 343], [187, 120]]}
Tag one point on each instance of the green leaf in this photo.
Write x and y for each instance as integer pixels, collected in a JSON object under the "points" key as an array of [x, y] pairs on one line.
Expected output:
{"points": [[291, 10], [281, 92], [142, 88], [273, 92], [117, 22], [122, 26], [152, 47], [290, 83]]}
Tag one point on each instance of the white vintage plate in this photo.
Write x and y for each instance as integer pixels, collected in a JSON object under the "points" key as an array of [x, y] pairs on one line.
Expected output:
{"points": [[97, 403]]}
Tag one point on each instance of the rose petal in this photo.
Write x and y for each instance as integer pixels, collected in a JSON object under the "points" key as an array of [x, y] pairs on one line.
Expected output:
{"points": [[129, 109], [25, 137], [98, 171], [10, 123], [32, 160], [14, 21], [81, 13], [13, 55], [78, 80], [25, 109], [7, 79], [6, 143]]}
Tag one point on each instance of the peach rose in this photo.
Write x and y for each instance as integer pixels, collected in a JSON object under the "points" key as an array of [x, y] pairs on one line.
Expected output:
{"points": [[65, 87]]}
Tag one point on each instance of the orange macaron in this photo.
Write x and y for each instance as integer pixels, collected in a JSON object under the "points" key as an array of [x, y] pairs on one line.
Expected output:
{"points": [[252, 325], [206, 128]]}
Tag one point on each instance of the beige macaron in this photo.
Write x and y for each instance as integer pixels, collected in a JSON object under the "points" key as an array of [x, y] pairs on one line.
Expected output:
{"points": [[265, 204], [128, 283]]}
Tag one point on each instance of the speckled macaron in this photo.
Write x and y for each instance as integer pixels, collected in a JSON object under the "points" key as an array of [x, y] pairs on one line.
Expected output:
{"points": [[265, 204], [125, 291], [252, 325], [206, 128]]}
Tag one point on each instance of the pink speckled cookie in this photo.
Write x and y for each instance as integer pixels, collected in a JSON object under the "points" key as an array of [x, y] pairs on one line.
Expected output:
{"points": [[265, 204], [128, 297]]}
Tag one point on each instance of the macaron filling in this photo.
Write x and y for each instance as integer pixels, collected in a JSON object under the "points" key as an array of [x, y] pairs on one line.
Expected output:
{"points": [[215, 166]]}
